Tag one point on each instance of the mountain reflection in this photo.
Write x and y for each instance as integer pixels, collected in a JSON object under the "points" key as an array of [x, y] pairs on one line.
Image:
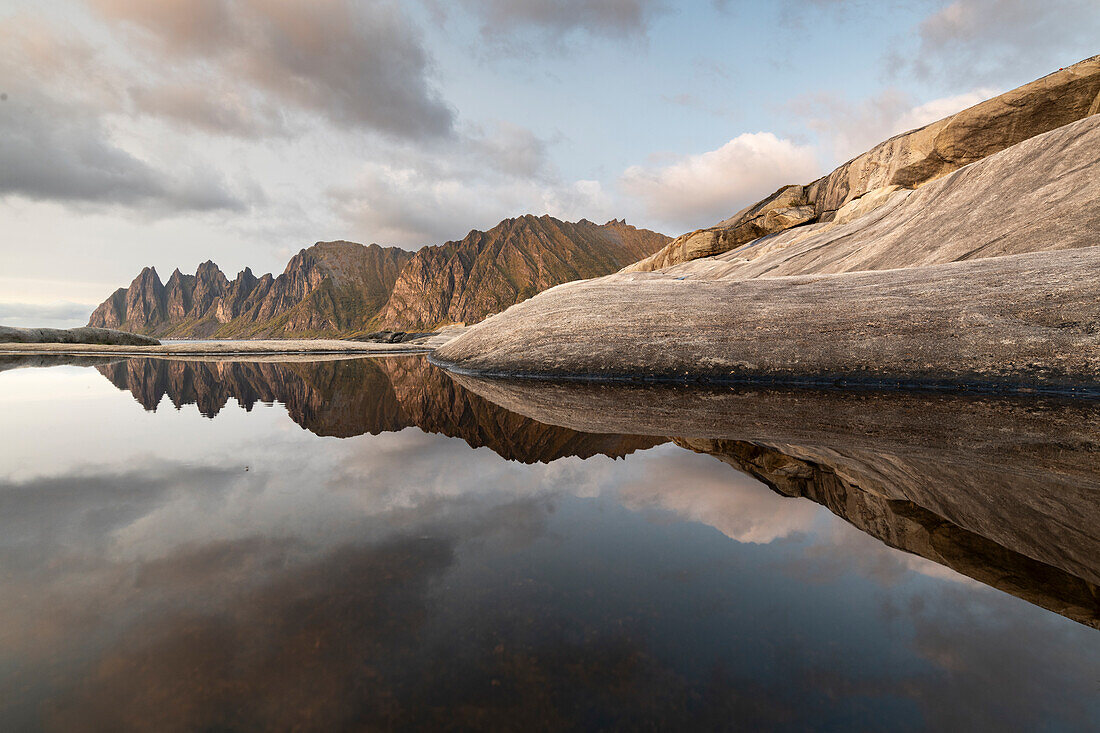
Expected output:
{"points": [[348, 397]]}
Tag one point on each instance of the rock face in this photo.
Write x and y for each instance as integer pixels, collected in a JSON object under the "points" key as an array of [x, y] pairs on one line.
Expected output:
{"points": [[960, 312], [1004, 491], [909, 161], [343, 288], [85, 335], [462, 282]]}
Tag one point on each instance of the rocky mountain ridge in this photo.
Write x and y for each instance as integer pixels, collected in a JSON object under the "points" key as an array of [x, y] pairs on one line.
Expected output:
{"points": [[328, 288], [343, 288], [484, 273]]}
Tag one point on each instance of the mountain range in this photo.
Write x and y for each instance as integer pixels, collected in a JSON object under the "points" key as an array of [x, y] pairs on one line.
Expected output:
{"points": [[344, 288]]}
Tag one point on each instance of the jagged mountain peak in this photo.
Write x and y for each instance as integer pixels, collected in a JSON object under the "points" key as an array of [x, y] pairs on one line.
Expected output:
{"points": [[342, 287]]}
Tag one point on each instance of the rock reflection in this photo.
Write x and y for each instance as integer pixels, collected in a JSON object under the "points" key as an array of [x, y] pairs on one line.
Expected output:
{"points": [[1005, 491], [349, 397]]}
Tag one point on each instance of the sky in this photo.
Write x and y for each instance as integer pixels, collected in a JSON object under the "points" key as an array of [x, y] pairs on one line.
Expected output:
{"points": [[137, 133]]}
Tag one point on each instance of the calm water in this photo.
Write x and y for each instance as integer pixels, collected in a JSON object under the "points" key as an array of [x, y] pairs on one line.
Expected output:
{"points": [[367, 544]]}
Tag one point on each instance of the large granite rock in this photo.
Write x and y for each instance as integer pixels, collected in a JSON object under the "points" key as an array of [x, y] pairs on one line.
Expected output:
{"points": [[909, 160], [966, 310], [83, 335], [1008, 322]]}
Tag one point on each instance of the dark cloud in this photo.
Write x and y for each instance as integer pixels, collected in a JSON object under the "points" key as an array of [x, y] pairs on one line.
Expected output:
{"points": [[357, 64], [53, 151]]}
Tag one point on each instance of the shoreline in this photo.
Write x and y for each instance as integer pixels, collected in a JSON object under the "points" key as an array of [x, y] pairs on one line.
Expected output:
{"points": [[265, 347]]}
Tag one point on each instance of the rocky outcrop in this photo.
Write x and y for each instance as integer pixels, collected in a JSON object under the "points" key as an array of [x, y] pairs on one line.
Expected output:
{"points": [[343, 288], [965, 310], [1021, 322], [356, 396], [909, 160], [1038, 196], [1004, 490], [465, 281], [84, 335]]}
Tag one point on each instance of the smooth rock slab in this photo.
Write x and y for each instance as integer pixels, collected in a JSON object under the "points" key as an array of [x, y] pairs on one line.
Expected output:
{"points": [[1030, 321]]}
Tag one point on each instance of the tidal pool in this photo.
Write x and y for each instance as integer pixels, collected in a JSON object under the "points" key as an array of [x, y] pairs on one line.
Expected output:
{"points": [[372, 544]]}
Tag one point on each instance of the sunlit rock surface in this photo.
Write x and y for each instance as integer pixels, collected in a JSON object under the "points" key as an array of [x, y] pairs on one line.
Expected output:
{"points": [[909, 160], [977, 278]]}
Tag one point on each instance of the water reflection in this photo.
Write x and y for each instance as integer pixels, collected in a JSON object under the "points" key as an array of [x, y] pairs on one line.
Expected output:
{"points": [[399, 579], [347, 397], [1004, 490]]}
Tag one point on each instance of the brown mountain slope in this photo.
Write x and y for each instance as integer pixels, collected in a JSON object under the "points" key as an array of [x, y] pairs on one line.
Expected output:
{"points": [[343, 288], [466, 281], [331, 287]]}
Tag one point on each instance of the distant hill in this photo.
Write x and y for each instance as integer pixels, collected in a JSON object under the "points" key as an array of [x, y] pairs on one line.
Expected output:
{"points": [[344, 288]]}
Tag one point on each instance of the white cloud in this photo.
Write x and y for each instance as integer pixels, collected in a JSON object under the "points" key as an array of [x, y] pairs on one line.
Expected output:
{"points": [[699, 190], [719, 496], [63, 314], [849, 128], [937, 109]]}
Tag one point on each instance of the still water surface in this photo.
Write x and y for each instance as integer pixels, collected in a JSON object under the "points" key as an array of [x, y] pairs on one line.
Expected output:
{"points": [[367, 544]]}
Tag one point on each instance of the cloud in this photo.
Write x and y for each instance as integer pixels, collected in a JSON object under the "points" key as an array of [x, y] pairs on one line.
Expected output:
{"points": [[210, 108], [58, 152], [403, 206], [984, 41], [698, 190], [850, 128], [55, 141], [417, 196], [732, 502], [357, 64], [558, 19]]}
